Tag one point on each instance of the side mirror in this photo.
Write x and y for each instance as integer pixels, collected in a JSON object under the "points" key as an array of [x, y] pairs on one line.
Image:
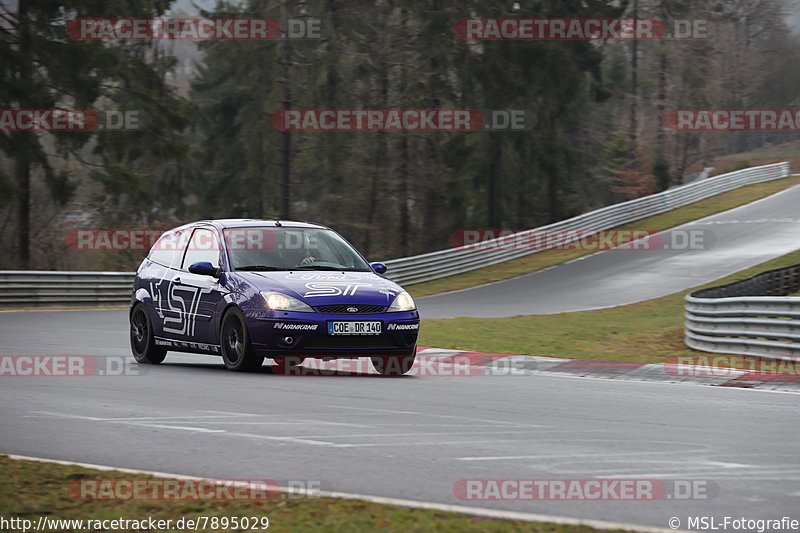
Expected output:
{"points": [[380, 268], [204, 268]]}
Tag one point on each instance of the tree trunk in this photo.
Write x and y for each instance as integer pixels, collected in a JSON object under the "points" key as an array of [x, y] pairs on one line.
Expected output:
{"points": [[402, 185], [432, 203], [23, 175], [634, 80], [286, 136], [23, 142], [662, 97], [494, 182], [381, 158], [333, 147]]}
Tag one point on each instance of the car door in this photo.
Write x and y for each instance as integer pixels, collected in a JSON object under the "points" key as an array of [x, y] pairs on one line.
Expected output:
{"points": [[196, 297], [164, 258]]}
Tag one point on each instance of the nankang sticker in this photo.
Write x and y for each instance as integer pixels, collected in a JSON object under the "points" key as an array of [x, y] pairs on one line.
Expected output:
{"points": [[297, 327], [401, 327]]}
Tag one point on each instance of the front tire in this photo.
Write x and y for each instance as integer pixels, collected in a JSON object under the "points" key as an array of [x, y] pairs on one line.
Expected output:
{"points": [[237, 351], [143, 344], [393, 365]]}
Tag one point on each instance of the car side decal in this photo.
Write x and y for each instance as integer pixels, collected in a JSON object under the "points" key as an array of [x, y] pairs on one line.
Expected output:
{"points": [[184, 305]]}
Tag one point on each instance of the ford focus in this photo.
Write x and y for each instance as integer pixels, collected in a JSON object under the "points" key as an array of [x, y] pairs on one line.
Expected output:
{"points": [[247, 290]]}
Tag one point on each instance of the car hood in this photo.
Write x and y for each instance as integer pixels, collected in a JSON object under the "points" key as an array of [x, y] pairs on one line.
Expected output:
{"points": [[326, 288]]}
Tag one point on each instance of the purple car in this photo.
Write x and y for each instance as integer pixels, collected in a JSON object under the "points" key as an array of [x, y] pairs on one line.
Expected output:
{"points": [[252, 289]]}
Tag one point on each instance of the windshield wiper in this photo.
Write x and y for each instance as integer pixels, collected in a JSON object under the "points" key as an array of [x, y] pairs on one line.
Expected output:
{"points": [[259, 267], [318, 267], [326, 267]]}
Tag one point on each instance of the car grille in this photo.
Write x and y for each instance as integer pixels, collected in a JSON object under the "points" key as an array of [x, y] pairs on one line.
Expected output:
{"points": [[351, 341], [343, 309]]}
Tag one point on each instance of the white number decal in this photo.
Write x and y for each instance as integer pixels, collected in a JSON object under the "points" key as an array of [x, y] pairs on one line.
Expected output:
{"points": [[185, 306]]}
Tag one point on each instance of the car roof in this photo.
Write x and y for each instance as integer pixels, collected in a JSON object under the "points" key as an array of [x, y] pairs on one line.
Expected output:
{"points": [[225, 223]]}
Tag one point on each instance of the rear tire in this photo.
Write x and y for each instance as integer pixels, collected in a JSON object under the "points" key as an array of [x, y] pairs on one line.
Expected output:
{"points": [[235, 347], [393, 365], [143, 344]]}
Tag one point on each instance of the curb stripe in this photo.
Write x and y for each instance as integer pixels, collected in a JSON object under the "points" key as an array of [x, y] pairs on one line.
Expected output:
{"points": [[633, 370]]}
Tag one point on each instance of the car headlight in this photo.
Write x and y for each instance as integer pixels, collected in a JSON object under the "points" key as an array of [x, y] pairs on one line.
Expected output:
{"points": [[402, 302], [277, 301]]}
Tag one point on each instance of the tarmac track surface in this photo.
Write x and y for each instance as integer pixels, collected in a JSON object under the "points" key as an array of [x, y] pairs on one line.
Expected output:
{"points": [[408, 437]]}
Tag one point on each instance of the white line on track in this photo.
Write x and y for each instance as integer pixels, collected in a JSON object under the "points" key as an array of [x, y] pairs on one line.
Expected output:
{"points": [[436, 433], [433, 415], [183, 428], [293, 423], [413, 504], [574, 455], [130, 419]]}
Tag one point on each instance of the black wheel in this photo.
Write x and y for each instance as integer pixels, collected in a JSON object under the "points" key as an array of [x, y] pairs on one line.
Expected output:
{"points": [[284, 363], [143, 345], [393, 365], [237, 351]]}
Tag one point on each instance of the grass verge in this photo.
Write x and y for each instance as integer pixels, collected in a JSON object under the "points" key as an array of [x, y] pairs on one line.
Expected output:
{"points": [[647, 331], [31, 489], [548, 258]]}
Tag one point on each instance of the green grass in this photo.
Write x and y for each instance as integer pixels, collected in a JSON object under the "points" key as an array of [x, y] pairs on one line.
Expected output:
{"points": [[32, 489], [541, 260], [647, 331]]}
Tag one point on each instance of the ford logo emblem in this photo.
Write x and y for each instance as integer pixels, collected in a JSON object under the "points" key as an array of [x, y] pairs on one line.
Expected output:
{"points": [[352, 309]]}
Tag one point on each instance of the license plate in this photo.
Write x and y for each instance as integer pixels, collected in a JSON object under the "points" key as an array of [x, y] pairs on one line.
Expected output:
{"points": [[342, 327]]}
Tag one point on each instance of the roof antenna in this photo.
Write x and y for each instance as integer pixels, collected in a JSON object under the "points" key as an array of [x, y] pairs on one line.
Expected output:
{"points": [[278, 223]]}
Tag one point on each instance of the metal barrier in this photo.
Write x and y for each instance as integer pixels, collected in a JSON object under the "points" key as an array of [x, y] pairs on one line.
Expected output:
{"points": [[751, 317], [57, 289], [435, 265], [26, 288]]}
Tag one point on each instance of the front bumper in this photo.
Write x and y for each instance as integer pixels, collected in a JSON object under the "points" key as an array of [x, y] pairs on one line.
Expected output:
{"points": [[309, 335]]}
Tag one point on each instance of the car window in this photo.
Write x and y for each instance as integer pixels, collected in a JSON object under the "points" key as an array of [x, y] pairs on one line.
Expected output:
{"points": [[291, 248], [168, 249], [203, 246]]}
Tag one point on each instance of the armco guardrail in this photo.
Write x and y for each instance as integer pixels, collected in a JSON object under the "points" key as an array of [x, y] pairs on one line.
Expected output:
{"points": [[434, 265], [751, 317], [54, 289], [25, 288]]}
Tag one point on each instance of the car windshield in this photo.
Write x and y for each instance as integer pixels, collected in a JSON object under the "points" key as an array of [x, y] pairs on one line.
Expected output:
{"points": [[276, 248]]}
